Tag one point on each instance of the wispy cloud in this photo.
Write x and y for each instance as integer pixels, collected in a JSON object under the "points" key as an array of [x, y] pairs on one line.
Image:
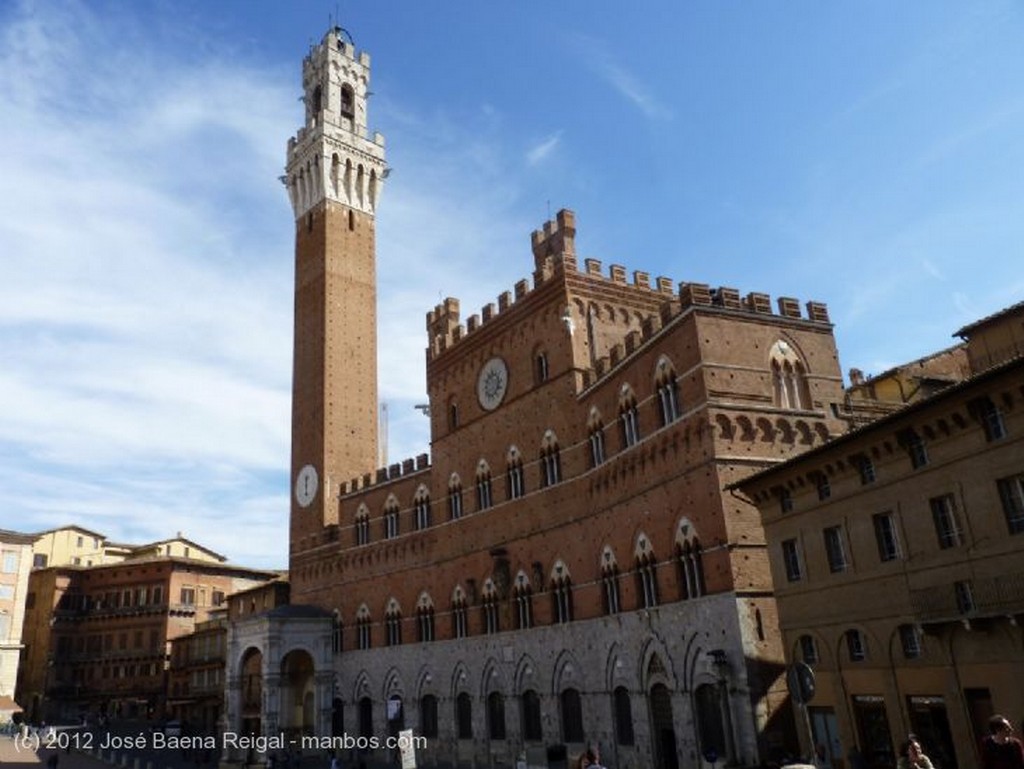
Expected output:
{"points": [[540, 152], [597, 57], [146, 339], [145, 311]]}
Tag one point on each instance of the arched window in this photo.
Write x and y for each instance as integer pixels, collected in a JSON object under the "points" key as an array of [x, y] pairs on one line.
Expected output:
{"points": [[495, 716], [532, 728], [610, 582], [454, 497], [595, 431], [336, 636], [391, 518], [523, 595], [789, 377], [460, 624], [514, 474], [623, 717], [464, 716], [541, 366], [710, 728], [809, 650], [629, 421], [489, 606], [421, 505], [646, 573], [483, 486], [690, 560], [347, 106], [910, 641], [667, 389], [316, 106], [425, 619], [572, 715], [362, 527], [363, 636], [561, 594], [428, 716], [856, 646], [550, 460], [393, 623], [366, 717]]}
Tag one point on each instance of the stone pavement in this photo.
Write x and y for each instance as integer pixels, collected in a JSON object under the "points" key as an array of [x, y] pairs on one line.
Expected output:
{"points": [[14, 754]]}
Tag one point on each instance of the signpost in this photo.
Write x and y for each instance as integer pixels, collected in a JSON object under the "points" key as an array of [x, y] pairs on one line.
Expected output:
{"points": [[800, 681]]}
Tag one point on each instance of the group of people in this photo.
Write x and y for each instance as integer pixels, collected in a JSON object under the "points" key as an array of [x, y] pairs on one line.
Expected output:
{"points": [[999, 750]]}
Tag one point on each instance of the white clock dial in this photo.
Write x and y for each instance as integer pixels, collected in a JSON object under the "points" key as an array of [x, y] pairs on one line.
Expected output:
{"points": [[492, 383], [305, 486]]}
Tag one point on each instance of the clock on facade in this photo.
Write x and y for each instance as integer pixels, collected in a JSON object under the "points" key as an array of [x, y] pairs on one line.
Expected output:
{"points": [[492, 383], [305, 485]]}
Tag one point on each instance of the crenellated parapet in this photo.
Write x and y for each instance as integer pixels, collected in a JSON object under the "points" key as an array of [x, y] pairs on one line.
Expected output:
{"points": [[701, 295], [554, 253], [384, 475]]}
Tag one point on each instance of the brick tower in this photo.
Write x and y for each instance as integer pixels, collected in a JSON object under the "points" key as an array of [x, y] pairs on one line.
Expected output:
{"points": [[334, 177]]}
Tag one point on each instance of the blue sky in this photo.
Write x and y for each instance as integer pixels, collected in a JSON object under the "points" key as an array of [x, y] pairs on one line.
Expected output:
{"points": [[866, 154]]}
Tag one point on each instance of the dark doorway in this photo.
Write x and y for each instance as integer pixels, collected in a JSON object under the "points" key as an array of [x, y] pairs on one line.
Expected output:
{"points": [[929, 722], [666, 755], [873, 731]]}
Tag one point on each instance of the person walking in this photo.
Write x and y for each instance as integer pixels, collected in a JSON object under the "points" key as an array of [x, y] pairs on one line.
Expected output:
{"points": [[1000, 749]]}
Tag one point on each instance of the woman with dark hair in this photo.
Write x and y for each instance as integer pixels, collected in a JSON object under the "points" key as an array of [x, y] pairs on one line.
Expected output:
{"points": [[912, 757]]}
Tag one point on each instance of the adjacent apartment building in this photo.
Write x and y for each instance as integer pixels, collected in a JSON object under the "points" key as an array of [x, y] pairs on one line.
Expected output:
{"points": [[898, 557], [96, 638], [15, 563]]}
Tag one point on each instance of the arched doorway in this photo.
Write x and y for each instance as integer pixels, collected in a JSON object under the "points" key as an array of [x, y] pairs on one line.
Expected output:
{"points": [[298, 694], [708, 705], [252, 692], [663, 729], [337, 717]]}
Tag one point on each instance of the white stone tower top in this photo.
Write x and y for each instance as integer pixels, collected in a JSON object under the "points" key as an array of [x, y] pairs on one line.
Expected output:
{"points": [[331, 157]]}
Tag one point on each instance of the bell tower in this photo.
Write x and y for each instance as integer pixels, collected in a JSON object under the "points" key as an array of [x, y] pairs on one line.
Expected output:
{"points": [[334, 175]]}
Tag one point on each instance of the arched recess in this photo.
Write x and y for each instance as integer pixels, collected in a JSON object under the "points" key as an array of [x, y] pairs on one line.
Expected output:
{"points": [[460, 682], [526, 676], [251, 670], [567, 673], [362, 687], [493, 679], [394, 702], [298, 693]]}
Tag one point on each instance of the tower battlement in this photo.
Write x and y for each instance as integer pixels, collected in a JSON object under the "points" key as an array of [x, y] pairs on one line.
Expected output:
{"points": [[552, 243], [554, 253], [332, 156]]}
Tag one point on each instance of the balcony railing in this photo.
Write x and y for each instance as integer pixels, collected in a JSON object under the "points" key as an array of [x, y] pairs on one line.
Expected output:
{"points": [[982, 597]]}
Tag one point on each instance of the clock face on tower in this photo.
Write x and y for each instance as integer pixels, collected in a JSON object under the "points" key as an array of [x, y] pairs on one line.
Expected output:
{"points": [[492, 383], [305, 486]]}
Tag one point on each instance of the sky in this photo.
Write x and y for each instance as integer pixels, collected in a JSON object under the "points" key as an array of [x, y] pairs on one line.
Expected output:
{"points": [[867, 155]]}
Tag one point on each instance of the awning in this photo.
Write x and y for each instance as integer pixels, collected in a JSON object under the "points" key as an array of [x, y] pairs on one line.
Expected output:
{"points": [[8, 705]]}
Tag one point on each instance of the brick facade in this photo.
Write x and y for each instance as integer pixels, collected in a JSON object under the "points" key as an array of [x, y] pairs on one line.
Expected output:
{"points": [[569, 541]]}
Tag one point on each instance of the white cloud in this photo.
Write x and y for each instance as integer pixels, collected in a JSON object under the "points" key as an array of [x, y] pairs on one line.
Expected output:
{"points": [[146, 337], [145, 310], [596, 56], [540, 152]]}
